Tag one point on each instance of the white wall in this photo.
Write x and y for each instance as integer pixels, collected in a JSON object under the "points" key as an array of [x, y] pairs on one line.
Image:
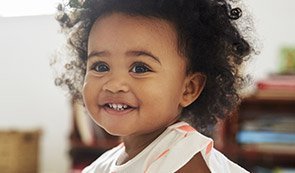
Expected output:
{"points": [[275, 23], [28, 97]]}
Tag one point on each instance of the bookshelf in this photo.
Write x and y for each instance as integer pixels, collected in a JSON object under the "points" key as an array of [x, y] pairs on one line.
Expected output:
{"points": [[261, 134]]}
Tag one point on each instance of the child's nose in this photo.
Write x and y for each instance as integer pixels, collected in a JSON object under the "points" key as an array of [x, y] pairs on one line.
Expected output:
{"points": [[116, 83]]}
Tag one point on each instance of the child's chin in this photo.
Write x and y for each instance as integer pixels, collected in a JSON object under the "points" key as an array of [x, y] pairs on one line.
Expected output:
{"points": [[116, 131]]}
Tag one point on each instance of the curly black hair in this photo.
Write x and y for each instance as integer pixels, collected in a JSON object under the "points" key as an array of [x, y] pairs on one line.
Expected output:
{"points": [[208, 36]]}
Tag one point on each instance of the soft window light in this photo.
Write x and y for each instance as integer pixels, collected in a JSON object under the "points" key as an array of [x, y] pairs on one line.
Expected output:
{"points": [[13, 8]]}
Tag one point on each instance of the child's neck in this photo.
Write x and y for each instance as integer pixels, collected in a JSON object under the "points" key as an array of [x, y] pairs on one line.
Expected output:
{"points": [[135, 144]]}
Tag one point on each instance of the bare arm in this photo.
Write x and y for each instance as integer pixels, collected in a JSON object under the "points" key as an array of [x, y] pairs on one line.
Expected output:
{"points": [[197, 164]]}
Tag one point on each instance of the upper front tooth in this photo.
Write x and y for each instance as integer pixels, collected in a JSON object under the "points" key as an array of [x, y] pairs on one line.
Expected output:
{"points": [[117, 106], [114, 106]]}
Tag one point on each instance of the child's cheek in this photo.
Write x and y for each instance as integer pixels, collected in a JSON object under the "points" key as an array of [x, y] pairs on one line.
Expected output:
{"points": [[86, 91]]}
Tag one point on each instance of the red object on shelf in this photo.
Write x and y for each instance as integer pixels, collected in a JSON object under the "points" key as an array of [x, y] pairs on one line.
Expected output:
{"points": [[278, 84]]}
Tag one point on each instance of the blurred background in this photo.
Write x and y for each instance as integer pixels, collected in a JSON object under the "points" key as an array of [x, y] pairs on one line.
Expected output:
{"points": [[37, 114]]}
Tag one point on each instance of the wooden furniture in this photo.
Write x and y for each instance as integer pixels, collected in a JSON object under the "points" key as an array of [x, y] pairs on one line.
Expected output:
{"points": [[255, 111], [20, 151]]}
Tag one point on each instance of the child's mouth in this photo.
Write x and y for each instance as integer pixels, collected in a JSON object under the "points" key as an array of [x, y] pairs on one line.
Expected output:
{"points": [[117, 107]]}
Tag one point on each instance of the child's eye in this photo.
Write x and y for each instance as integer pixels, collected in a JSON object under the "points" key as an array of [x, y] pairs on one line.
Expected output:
{"points": [[100, 67], [140, 67]]}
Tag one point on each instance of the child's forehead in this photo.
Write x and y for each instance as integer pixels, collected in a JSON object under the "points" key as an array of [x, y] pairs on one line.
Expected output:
{"points": [[137, 20], [120, 32], [135, 25]]}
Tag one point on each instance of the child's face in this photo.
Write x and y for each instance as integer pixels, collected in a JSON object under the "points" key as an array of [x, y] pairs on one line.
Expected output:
{"points": [[135, 76]]}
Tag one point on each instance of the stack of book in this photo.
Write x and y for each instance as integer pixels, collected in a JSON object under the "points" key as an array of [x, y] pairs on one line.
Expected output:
{"points": [[276, 87], [268, 134], [274, 170]]}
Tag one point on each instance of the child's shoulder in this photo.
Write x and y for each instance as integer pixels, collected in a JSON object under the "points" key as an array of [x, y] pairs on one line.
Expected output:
{"points": [[105, 161], [186, 145], [177, 146]]}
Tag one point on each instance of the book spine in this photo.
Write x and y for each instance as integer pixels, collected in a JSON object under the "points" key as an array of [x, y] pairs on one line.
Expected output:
{"points": [[264, 85], [265, 137]]}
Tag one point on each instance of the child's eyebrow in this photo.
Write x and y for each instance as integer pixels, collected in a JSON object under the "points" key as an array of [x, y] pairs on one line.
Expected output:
{"points": [[128, 53], [143, 53], [98, 54]]}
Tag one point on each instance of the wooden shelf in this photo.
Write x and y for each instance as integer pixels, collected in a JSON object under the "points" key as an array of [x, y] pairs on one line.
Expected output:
{"points": [[255, 101], [253, 108], [268, 159]]}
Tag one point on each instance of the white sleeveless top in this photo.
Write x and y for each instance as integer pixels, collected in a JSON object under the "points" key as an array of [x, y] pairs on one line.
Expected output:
{"points": [[166, 154]]}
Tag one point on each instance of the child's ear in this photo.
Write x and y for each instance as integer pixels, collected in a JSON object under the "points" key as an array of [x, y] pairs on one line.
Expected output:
{"points": [[194, 85]]}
